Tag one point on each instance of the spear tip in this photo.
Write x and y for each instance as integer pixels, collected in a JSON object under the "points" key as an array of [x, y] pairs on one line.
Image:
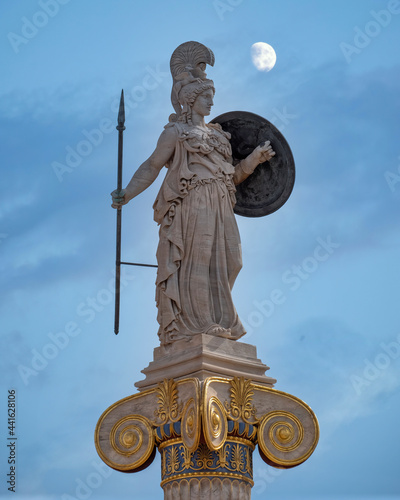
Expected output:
{"points": [[121, 112]]}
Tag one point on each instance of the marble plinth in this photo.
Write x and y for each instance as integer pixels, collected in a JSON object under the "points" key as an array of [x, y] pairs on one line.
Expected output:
{"points": [[205, 356]]}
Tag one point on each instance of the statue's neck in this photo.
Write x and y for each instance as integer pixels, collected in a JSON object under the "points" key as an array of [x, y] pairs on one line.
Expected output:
{"points": [[198, 120]]}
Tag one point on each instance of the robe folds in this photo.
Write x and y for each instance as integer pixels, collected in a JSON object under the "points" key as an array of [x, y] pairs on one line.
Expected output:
{"points": [[199, 251]]}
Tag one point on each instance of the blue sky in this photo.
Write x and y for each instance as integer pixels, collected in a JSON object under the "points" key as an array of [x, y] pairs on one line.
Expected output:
{"points": [[334, 341]]}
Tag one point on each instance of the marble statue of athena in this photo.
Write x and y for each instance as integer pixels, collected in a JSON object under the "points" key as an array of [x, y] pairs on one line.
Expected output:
{"points": [[199, 251]]}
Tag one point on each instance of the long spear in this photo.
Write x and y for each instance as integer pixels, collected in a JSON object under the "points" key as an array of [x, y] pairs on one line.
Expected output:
{"points": [[120, 127]]}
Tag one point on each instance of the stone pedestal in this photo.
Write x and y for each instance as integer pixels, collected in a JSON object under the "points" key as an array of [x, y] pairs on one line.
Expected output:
{"points": [[205, 356]]}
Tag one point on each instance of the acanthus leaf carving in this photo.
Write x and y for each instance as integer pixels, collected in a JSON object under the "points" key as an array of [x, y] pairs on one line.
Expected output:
{"points": [[240, 406], [168, 407]]}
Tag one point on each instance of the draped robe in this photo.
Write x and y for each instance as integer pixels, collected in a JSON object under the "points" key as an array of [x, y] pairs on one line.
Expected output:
{"points": [[199, 251]]}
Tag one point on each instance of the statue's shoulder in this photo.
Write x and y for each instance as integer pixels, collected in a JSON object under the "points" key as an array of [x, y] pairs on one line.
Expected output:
{"points": [[176, 128], [172, 126], [180, 130], [170, 133]]}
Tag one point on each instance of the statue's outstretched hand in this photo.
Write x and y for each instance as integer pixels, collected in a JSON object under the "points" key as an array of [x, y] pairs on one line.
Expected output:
{"points": [[263, 152], [246, 167], [119, 198]]}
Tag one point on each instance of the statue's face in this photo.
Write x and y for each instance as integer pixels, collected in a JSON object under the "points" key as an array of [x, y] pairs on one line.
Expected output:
{"points": [[204, 102]]}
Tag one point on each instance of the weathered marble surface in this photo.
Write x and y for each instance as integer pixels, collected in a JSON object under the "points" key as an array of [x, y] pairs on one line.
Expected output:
{"points": [[207, 489], [205, 356]]}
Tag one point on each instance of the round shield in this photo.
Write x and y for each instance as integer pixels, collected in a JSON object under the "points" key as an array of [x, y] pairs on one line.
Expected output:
{"points": [[271, 183]]}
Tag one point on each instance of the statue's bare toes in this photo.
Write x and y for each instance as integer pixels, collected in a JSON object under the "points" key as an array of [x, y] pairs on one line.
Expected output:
{"points": [[219, 331]]}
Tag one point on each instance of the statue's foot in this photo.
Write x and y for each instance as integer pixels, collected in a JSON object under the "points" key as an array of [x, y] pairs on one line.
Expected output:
{"points": [[219, 331]]}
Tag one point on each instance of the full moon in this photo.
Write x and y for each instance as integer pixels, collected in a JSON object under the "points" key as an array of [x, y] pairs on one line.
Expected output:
{"points": [[263, 56]]}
